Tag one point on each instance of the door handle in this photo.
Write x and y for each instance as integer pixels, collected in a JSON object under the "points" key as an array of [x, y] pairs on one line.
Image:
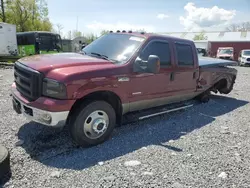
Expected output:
{"points": [[171, 76], [194, 75]]}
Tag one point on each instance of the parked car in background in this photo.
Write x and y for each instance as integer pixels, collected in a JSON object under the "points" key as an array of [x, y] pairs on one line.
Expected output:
{"points": [[202, 51], [244, 57], [225, 53], [15, 45]]}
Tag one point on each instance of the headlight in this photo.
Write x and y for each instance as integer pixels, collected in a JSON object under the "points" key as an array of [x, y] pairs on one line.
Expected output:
{"points": [[54, 89], [243, 57]]}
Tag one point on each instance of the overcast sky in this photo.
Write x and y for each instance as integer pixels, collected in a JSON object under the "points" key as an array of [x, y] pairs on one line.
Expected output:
{"points": [[151, 15]]}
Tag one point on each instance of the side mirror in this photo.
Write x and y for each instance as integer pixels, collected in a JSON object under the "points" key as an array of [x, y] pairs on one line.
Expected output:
{"points": [[150, 66], [154, 64]]}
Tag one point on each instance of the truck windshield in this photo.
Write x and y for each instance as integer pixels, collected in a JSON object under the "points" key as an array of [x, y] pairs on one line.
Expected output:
{"points": [[226, 51], [116, 47], [246, 52]]}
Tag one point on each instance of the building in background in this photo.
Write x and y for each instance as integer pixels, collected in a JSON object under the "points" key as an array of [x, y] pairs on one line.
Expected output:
{"points": [[67, 45], [78, 43], [213, 40], [74, 45]]}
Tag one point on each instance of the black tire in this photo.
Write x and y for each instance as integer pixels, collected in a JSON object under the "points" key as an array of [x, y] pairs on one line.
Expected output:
{"points": [[204, 97], [228, 90], [80, 116], [4, 164]]}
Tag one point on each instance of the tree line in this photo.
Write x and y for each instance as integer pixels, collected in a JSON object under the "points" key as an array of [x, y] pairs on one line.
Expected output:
{"points": [[32, 15], [27, 15]]}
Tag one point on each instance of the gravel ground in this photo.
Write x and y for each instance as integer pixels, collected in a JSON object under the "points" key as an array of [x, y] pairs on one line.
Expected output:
{"points": [[205, 146]]}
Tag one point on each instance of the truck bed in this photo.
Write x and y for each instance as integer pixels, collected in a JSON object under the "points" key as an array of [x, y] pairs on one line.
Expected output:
{"points": [[214, 62], [213, 71]]}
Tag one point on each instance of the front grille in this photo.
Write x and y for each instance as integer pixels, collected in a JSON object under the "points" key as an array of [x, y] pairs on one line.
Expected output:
{"points": [[28, 81], [248, 59]]}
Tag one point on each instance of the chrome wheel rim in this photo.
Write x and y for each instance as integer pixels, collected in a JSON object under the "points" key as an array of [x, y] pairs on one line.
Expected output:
{"points": [[96, 124]]}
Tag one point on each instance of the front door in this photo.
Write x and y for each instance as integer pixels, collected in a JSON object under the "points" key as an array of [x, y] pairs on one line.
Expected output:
{"points": [[149, 90]]}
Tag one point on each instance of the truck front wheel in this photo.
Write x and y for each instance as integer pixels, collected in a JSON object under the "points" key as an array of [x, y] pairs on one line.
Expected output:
{"points": [[92, 124]]}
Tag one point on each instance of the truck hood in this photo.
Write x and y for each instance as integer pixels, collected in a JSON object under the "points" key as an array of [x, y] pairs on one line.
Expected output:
{"points": [[246, 56], [224, 55], [48, 62]]}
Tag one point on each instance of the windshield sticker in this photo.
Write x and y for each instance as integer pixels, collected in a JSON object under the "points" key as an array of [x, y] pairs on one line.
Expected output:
{"points": [[139, 39]]}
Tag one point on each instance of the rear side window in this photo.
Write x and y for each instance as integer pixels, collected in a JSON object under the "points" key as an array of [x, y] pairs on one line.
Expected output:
{"points": [[45, 42], [184, 54], [26, 39], [161, 49]]}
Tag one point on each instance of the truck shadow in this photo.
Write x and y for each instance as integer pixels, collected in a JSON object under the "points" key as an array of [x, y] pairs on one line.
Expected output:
{"points": [[54, 148]]}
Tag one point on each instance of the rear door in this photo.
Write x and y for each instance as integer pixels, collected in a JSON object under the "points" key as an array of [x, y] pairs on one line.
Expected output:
{"points": [[186, 72]]}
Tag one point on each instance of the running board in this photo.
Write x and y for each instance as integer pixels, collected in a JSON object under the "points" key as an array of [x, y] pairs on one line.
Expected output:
{"points": [[144, 114], [164, 112]]}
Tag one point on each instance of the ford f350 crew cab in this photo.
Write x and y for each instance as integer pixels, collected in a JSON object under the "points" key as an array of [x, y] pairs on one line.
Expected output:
{"points": [[117, 74]]}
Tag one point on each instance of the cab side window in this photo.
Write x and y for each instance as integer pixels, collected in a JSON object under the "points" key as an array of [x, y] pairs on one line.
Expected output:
{"points": [[159, 48], [184, 54]]}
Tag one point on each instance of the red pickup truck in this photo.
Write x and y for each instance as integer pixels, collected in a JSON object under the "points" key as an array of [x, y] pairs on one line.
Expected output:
{"points": [[117, 74]]}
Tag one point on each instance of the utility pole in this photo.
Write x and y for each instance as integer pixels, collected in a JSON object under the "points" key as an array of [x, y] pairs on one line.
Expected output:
{"points": [[3, 11]]}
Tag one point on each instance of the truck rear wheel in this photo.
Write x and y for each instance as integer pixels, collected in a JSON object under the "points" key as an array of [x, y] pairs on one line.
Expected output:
{"points": [[204, 97], [92, 124]]}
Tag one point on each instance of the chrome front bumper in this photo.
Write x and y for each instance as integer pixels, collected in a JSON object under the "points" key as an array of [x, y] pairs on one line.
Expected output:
{"points": [[55, 119]]}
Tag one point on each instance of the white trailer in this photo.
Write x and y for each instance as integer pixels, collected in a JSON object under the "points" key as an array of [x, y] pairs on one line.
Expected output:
{"points": [[8, 40]]}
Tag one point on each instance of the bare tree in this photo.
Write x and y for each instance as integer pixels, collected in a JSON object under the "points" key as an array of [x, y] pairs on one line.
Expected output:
{"points": [[76, 33], [69, 35], [140, 30], [59, 28], [244, 26], [103, 32], [2, 13]]}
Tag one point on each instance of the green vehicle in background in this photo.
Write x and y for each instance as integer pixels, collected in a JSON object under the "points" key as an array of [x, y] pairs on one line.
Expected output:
{"points": [[38, 42]]}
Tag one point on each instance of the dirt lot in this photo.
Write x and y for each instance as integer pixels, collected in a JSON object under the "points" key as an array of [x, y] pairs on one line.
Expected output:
{"points": [[205, 146]]}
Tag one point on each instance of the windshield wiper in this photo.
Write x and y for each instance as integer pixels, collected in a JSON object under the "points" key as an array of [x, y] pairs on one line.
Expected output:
{"points": [[103, 57], [100, 55]]}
